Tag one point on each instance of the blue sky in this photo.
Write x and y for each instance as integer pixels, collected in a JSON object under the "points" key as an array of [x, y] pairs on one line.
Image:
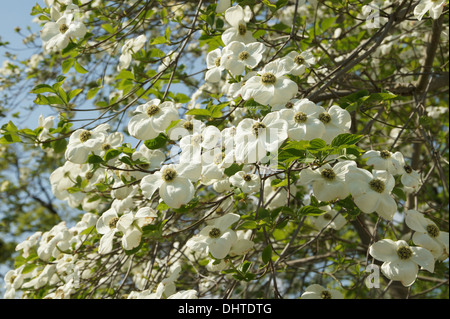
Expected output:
{"points": [[16, 14]]}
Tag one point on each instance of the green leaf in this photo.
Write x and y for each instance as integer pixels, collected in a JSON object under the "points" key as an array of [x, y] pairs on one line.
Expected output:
{"points": [[310, 211], [43, 88], [9, 139], [91, 93], [317, 144], [158, 142], [248, 224], [79, 68], [346, 139], [159, 40], [233, 169], [94, 159], [59, 146], [110, 154], [125, 75], [397, 191], [74, 93], [67, 64], [201, 112], [267, 254]]}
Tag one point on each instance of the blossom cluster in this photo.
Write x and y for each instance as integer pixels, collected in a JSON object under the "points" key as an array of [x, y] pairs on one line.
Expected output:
{"points": [[126, 192]]}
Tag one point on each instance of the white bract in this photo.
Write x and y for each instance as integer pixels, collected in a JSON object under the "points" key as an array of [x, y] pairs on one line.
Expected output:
{"points": [[328, 182], [83, 143], [238, 31], [247, 182], [298, 62], [174, 183], [214, 66], [434, 7], [316, 291], [238, 56], [331, 219], [303, 120], [130, 47], [57, 35], [384, 160], [427, 234], [372, 191], [336, 120], [253, 139], [271, 86], [151, 119], [217, 238], [400, 261]]}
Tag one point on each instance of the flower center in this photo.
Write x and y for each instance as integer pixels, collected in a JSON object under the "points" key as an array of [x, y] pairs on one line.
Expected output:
{"points": [[217, 61], [300, 117], [325, 294], [377, 185], [327, 216], [404, 252], [152, 110], [257, 128], [433, 230], [89, 175], [215, 233], [85, 135], [112, 223], [220, 211], [299, 60], [247, 177], [169, 174], [408, 169], [242, 29], [325, 117], [218, 158], [268, 78], [289, 105], [63, 28], [328, 174], [243, 55], [385, 154], [188, 125], [106, 146]]}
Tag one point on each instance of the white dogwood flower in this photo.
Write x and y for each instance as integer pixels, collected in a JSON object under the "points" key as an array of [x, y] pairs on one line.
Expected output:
{"points": [[427, 234], [271, 86], [384, 160], [56, 35], [130, 47], [214, 66], [216, 238], [237, 19], [336, 120], [400, 261], [237, 56], [372, 191], [331, 219], [247, 182], [174, 183], [303, 120], [151, 119], [83, 142], [316, 291], [328, 182], [298, 62], [434, 7], [253, 139]]}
